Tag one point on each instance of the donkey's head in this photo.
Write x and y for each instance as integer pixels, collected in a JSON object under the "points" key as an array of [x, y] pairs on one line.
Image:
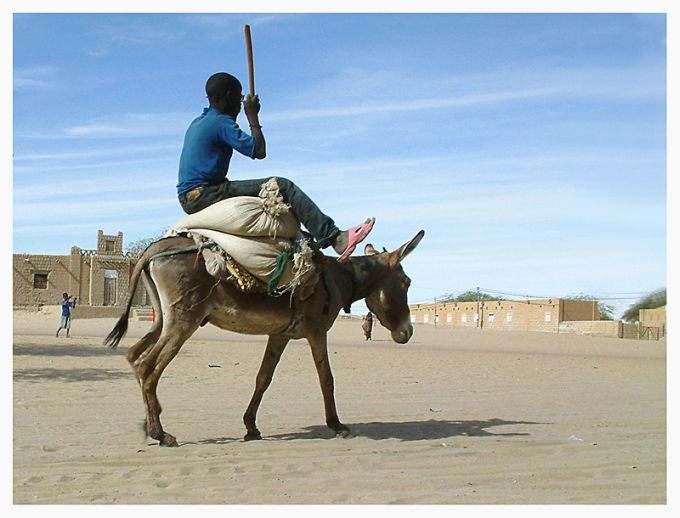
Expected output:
{"points": [[387, 298]]}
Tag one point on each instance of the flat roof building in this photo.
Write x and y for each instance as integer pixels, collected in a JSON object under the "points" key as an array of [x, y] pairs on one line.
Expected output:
{"points": [[518, 315]]}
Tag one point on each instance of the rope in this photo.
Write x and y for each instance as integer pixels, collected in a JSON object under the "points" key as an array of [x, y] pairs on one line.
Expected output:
{"points": [[206, 297], [281, 262], [167, 253]]}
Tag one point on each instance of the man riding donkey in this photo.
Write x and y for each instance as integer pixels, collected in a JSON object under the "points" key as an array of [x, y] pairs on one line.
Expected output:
{"points": [[209, 144], [187, 296]]}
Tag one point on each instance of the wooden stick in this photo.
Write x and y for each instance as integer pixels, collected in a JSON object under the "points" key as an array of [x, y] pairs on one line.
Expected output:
{"points": [[251, 69]]}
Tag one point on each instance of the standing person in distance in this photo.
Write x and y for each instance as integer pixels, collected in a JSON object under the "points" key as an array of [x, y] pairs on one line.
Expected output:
{"points": [[66, 305]]}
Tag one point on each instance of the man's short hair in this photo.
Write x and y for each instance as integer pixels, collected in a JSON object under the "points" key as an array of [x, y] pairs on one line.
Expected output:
{"points": [[64, 294], [219, 83]]}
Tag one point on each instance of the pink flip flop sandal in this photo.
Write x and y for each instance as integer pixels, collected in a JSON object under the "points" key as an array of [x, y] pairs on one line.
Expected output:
{"points": [[356, 235]]}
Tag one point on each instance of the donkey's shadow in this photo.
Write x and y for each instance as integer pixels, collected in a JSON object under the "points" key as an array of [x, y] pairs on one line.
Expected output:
{"points": [[432, 429]]}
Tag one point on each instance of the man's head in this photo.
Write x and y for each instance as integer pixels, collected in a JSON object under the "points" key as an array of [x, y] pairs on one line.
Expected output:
{"points": [[65, 295], [224, 93]]}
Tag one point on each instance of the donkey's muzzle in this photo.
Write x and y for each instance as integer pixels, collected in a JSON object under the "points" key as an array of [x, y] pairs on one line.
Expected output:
{"points": [[401, 336]]}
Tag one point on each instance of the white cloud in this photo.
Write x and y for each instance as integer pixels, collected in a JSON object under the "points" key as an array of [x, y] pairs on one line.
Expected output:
{"points": [[90, 153], [390, 91], [461, 101], [130, 29], [120, 171], [131, 125], [34, 78], [24, 83], [226, 25], [108, 185], [77, 210]]}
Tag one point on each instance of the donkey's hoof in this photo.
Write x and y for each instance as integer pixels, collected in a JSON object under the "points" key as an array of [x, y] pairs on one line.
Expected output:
{"points": [[168, 440], [253, 436], [344, 434]]}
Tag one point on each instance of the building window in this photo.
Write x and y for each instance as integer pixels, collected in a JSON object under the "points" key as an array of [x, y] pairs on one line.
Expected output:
{"points": [[413, 319], [476, 318], [449, 318], [508, 316], [548, 316], [426, 318], [40, 281], [492, 318], [463, 318], [109, 245]]}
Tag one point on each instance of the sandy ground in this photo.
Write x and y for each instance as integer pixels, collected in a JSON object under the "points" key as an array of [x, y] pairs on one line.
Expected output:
{"points": [[454, 417]]}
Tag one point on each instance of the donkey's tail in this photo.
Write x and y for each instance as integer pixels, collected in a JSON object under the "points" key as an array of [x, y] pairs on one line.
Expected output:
{"points": [[121, 327], [164, 247], [119, 330]]}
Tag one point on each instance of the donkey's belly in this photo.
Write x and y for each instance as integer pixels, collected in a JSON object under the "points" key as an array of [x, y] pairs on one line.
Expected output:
{"points": [[263, 321]]}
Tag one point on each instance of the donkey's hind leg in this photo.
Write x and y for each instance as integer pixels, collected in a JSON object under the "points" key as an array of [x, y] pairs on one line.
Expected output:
{"points": [[151, 337], [150, 366], [137, 350], [144, 343]]}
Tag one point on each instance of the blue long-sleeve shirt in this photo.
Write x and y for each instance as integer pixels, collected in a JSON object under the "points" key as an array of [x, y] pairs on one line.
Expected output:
{"points": [[209, 144]]}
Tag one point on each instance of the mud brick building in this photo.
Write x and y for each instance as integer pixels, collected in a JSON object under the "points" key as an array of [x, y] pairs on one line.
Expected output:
{"points": [[98, 277], [518, 315], [547, 315]]}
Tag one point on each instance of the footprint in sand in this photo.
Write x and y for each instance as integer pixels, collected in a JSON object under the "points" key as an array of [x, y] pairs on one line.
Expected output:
{"points": [[130, 473], [159, 481]]}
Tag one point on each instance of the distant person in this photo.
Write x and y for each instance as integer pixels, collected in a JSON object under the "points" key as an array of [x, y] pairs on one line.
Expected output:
{"points": [[66, 305], [367, 325], [209, 144]]}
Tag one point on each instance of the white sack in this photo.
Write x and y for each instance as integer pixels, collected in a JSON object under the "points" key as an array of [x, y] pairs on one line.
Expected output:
{"points": [[254, 231], [264, 216], [256, 254]]}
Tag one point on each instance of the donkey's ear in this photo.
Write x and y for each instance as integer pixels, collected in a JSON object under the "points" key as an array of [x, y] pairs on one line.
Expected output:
{"points": [[369, 249], [398, 255]]}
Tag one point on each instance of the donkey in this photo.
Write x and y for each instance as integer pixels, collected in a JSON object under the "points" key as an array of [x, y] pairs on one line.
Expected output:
{"points": [[186, 297]]}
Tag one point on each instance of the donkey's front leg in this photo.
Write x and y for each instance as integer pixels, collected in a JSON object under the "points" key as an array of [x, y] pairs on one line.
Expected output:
{"points": [[272, 355], [319, 347]]}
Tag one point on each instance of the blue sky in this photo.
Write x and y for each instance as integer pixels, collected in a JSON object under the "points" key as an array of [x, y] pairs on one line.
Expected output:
{"points": [[530, 147]]}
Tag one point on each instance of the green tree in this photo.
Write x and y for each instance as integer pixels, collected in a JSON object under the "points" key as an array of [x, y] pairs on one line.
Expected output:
{"points": [[467, 296], [653, 300], [606, 310]]}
